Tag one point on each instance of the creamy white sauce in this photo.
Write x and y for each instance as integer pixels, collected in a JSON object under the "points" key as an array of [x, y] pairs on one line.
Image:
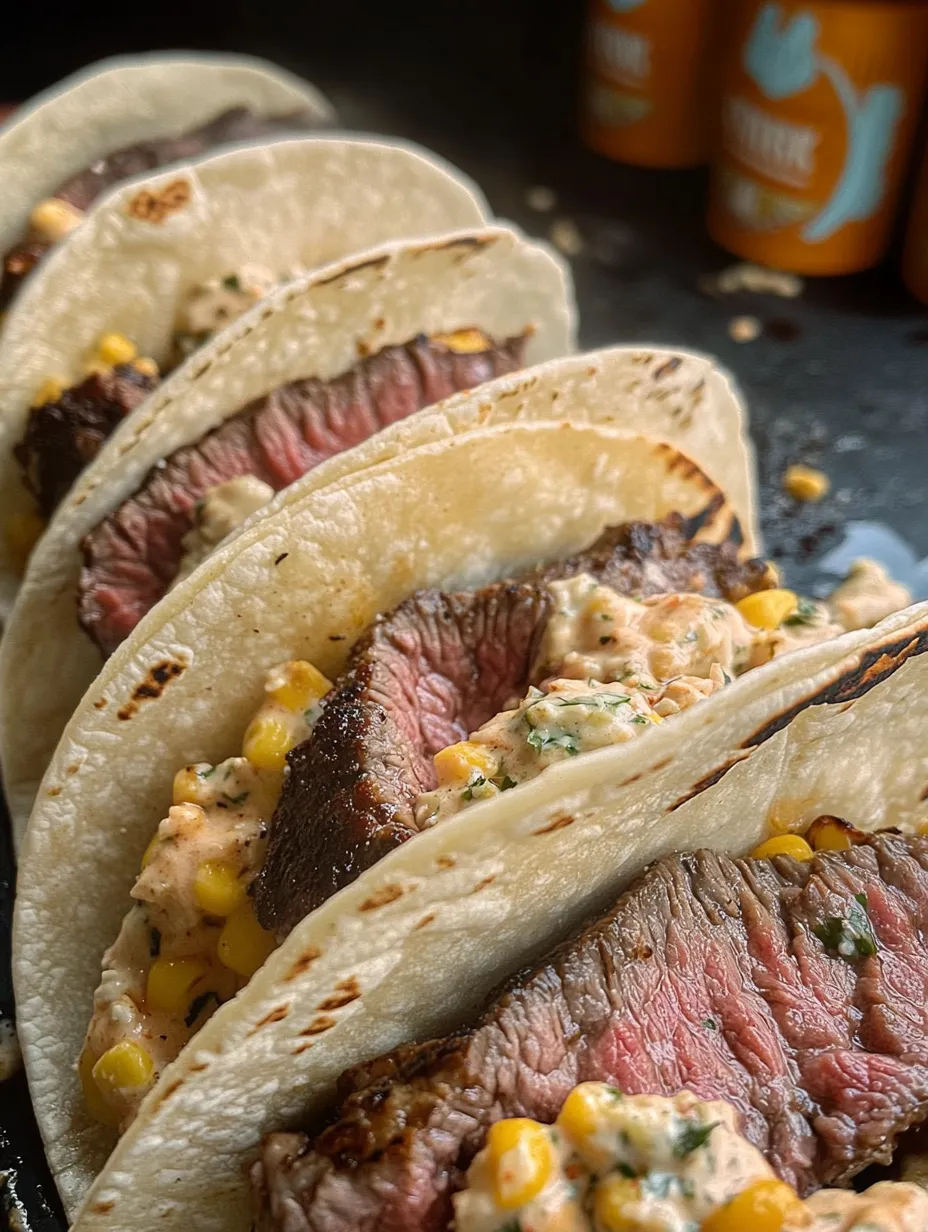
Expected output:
{"points": [[222, 510], [866, 596], [212, 305]]}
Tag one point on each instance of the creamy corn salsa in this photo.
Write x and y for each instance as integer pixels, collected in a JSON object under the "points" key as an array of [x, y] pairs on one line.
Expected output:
{"points": [[191, 940], [611, 665], [648, 1163]]}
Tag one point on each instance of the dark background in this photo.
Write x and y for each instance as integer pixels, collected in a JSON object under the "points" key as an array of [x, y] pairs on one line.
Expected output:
{"points": [[838, 379]]}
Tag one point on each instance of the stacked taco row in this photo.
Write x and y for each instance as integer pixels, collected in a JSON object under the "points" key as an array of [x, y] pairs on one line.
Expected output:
{"points": [[433, 809]]}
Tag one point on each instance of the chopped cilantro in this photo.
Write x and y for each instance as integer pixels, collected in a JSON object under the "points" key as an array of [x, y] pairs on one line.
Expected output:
{"points": [[625, 1169], [231, 282], [478, 780], [206, 774], [541, 743], [604, 641], [691, 1136], [239, 799], [615, 1093], [639, 718], [598, 701], [806, 613], [604, 616], [505, 783], [709, 1024], [198, 1005], [852, 937]]}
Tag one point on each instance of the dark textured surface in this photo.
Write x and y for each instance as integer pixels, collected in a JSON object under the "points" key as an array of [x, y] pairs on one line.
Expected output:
{"points": [[842, 384]]}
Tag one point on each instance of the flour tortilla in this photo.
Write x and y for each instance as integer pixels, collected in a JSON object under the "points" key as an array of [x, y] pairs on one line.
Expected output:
{"points": [[457, 510], [289, 205], [315, 327], [453, 511], [125, 100]]}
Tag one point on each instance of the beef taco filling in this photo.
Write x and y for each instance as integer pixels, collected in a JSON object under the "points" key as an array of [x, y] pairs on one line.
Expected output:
{"points": [[203, 491], [52, 219], [584, 1095], [448, 700]]}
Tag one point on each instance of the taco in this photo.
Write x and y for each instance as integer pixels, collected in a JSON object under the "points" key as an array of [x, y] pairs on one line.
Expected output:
{"points": [[320, 366], [161, 264], [482, 576], [124, 117]]}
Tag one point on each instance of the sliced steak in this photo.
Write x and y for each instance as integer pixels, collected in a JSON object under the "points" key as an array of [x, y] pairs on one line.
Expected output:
{"points": [[133, 556], [63, 436], [82, 189], [424, 677], [709, 976]]}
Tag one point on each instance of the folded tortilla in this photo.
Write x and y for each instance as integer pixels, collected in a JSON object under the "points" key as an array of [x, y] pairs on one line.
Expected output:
{"points": [[117, 102], [425, 933], [317, 327], [287, 206]]}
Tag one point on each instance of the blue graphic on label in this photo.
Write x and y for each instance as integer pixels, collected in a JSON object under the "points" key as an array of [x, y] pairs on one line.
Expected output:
{"points": [[782, 58], [625, 6]]}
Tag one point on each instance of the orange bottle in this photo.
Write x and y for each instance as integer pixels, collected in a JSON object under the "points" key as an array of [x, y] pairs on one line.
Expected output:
{"points": [[645, 96], [915, 254], [820, 103]]}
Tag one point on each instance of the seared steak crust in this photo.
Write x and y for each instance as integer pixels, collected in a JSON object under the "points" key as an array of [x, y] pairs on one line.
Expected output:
{"points": [[63, 436], [708, 975], [82, 189], [424, 677], [133, 556]]}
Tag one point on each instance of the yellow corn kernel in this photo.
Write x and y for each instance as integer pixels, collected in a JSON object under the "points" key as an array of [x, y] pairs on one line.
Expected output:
{"points": [[464, 341], [830, 834], [297, 685], [267, 742], [126, 1064], [149, 851], [146, 365], [655, 717], [22, 532], [613, 1197], [804, 483], [170, 981], [116, 349], [190, 787], [218, 888], [457, 764], [765, 1206], [54, 219], [767, 609], [783, 845], [243, 943], [521, 1161], [50, 390], [580, 1117], [97, 1105]]}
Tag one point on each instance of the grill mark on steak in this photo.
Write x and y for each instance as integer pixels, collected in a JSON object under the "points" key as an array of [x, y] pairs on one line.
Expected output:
{"points": [[826, 1060], [64, 435], [133, 556], [424, 677], [83, 189]]}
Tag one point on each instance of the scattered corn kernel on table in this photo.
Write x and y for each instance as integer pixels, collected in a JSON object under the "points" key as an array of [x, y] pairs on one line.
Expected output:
{"points": [[836, 377]]}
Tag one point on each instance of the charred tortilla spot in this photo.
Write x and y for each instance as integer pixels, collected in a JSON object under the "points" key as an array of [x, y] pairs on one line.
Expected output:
{"points": [[874, 665], [100, 703], [445, 862], [169, 1091], [558, 823], [711, 779], [347, 275], [295, 1052], [425, 921], [632, 779], [670, 366], [283, 556], [155, 205], [102, 1208], [482, 885], [152, 686], [275, 1015], [303, 963], [199, 1067], [73, 768], [346, 992], [53, 791], [381, 898], [321, 1023]]}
